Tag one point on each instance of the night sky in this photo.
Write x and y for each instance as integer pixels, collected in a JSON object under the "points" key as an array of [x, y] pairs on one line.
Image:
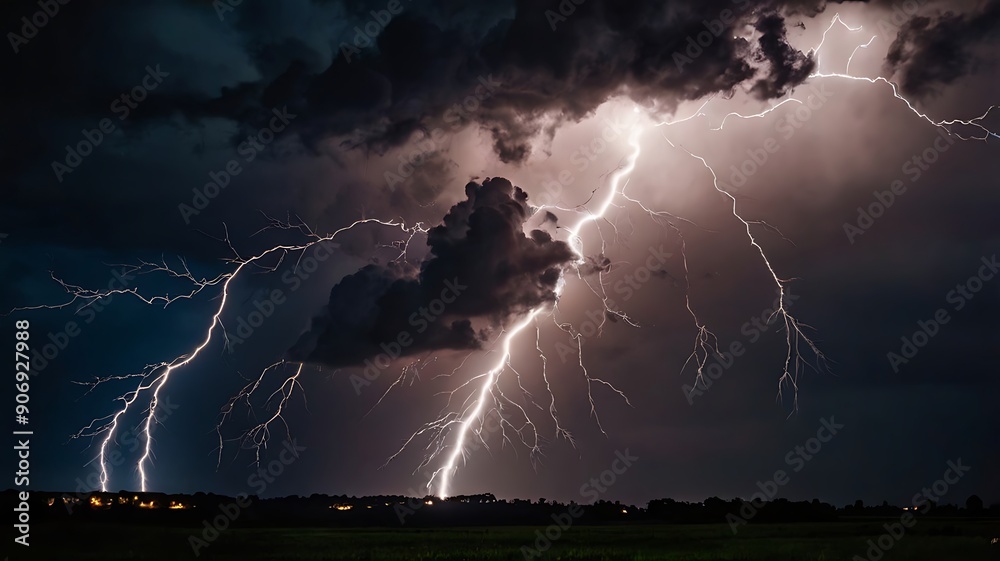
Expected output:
{"points": [[188, 135]]}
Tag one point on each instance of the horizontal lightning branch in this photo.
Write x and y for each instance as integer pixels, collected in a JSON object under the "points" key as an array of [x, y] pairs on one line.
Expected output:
{"points": [[153, 378], [461, 421]]}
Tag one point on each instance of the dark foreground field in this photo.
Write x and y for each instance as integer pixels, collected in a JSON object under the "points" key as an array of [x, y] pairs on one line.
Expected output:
{"points": [[931, 540]]}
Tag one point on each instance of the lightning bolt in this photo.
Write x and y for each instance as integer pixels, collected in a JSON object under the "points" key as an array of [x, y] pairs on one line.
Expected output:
{"points": [[975, 122], [474, 412], [706, 343], [450, 434], [818, 48], [856, 49], [794, 329], [153, 378]]}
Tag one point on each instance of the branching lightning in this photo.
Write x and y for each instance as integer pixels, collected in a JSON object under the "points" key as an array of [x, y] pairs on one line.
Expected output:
{"points": [[153, 378], [489, 391], [449, 434]]}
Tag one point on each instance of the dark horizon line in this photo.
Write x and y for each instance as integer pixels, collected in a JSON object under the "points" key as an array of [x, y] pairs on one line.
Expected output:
{"points": [[458, 498]]}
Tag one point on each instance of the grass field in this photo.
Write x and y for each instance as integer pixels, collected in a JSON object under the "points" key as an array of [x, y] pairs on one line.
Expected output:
{"points": [[930, 540]]}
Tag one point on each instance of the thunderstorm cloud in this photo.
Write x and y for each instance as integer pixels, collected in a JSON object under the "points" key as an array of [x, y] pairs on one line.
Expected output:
{"points": [[444, 64], [481, 265], [932, 51]]}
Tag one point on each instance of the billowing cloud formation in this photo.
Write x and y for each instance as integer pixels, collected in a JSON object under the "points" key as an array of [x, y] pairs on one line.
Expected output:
{"points": [[935, 51], [502, 66], [481, 265], [543, 58], [789, 67], [376, 80], [434, 64]]}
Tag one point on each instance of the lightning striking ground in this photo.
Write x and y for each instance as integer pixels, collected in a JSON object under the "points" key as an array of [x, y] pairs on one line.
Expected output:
{"points": [[451, 432], [154, 377], [706, 343], [475, 411]]}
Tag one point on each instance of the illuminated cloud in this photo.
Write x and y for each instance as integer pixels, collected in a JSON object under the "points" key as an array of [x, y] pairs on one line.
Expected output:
{"points": [[480, 260]]}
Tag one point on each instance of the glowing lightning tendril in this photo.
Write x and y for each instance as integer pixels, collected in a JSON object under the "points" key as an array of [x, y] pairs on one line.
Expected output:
{"points": [[467, 421], [490, 380]]}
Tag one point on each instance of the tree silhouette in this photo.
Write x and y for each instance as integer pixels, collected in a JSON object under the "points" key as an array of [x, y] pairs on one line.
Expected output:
{"points": [[974, 503]]}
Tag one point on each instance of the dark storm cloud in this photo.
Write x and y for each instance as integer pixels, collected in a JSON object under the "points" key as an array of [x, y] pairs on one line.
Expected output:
{"points": [[932, 51], [481, 265], [503, 66], [509, 63], [120, 206], [789, 67], [421, 73]]}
